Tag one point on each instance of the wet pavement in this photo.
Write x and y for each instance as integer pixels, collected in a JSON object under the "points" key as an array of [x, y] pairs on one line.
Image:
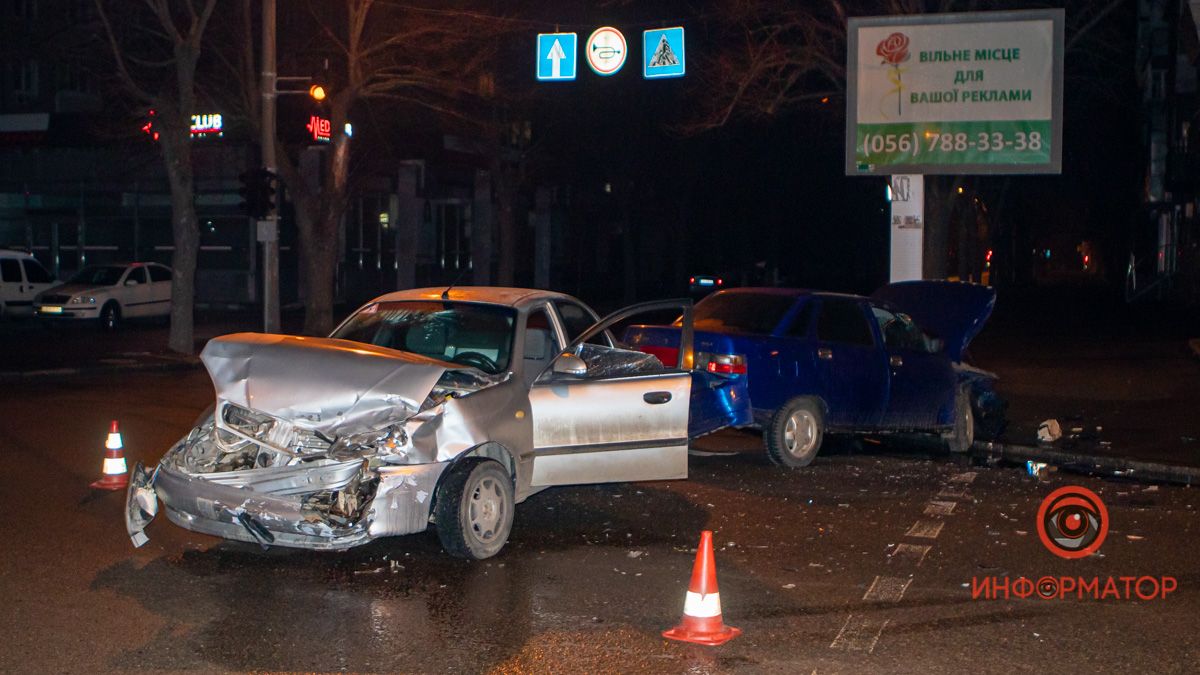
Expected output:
{"points": [[862, 562]]}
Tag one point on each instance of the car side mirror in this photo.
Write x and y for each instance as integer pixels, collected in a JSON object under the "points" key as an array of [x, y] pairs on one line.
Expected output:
{"points": [[569, 364]]}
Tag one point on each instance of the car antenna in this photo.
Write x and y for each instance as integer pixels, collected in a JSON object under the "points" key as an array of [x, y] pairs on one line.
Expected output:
{"points": [[446, 293]]}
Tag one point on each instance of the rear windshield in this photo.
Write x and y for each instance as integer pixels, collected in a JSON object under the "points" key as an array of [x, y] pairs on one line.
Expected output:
{"points": [[742, 312], [470, 334]]}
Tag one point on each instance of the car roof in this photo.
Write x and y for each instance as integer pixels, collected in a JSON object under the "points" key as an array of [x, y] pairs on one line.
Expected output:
{"points": [[495, 295], [790, 292]]}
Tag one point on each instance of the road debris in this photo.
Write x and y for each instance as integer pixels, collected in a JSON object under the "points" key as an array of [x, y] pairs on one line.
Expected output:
{"points": [[1049, 431]]}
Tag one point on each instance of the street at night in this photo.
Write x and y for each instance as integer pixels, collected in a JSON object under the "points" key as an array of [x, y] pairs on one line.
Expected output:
{"points": [[739, 336]]}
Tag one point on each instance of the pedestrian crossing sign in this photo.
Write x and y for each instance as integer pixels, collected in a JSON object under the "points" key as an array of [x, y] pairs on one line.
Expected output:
{"points": [[662, 53]]}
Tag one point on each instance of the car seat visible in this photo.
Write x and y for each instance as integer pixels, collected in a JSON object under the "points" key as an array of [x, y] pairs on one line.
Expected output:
{"points": [[539, 352]]}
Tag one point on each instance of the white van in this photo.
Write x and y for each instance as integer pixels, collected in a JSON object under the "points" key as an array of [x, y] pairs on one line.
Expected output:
{"points": [[21, 278]]}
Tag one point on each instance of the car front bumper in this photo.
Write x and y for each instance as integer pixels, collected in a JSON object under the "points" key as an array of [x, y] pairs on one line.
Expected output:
{"points": [[66, 311], [401, 505]]}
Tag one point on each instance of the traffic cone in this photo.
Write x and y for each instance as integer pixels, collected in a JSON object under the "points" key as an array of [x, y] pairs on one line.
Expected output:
{"points": [[116, 475], [701, 621]]}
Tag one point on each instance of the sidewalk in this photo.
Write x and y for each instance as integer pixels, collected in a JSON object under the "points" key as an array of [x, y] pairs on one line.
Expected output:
{"points": [[33, 349]]}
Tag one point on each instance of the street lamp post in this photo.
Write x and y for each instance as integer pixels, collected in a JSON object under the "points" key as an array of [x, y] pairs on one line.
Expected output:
{"points": [[268, 228]]}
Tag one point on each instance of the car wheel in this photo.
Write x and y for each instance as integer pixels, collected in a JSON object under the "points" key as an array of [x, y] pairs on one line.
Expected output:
{"points": [[962, 436], [110, 317], [794, 435], [474, 510]]}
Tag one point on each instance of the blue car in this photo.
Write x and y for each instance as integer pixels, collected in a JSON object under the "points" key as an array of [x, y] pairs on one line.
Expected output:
{"points": [[801, 364]]}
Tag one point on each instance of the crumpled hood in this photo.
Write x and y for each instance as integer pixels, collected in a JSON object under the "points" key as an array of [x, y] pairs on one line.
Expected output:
{"points": [[951, 310], [322, 384]]}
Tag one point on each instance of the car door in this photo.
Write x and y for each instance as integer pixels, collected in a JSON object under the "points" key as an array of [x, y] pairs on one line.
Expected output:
{"points": [[134, 293], [37, 279], [12, 288], [622, 416], [922, 381], [850, 367], [160, 290]]}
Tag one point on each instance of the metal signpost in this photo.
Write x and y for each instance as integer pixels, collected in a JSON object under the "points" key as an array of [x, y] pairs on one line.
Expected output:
{"points": [[973, 93], [556, 56]]}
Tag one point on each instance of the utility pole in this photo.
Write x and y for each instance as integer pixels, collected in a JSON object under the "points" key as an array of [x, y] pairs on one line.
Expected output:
{"points": [[268, 228]]}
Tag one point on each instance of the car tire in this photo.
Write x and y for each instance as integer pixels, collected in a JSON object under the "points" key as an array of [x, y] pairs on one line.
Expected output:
{"points": [[795, 432], [474, 509], [110, 317], [962, 436]]}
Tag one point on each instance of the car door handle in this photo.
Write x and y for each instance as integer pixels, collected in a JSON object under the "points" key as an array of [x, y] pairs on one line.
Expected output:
{"points": [[896, 361], [825, 354], [656, 397]]}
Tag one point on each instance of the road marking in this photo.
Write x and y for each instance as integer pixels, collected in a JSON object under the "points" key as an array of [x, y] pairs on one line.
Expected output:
{"points": [[859, 634], [925, 529], [887, 589], [968, 477], [948, 493], [939, 509], [909, 553]]}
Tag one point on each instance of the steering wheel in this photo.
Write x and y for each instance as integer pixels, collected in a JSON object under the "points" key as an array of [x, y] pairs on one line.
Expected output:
{"points": [[476, 359]]}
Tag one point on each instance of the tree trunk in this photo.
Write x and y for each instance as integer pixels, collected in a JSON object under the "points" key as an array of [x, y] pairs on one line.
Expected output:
{"points": [[319, 269], [185, 230], [506, 224]]}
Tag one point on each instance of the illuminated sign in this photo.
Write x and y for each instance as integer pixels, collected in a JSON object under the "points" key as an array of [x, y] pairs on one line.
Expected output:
{"points": [[322, 129], [207, 124], [202, 126]]}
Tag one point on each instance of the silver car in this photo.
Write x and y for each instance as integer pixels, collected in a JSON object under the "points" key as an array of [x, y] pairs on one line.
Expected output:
{"points": [[424, 406]]}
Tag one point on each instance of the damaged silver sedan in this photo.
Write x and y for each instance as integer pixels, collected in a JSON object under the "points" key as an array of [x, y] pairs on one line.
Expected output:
{"points": [[425, 406]]}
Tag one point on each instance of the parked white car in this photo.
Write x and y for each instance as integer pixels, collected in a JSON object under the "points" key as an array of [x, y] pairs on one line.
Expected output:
{"points": [[109, 294], [21, 278]]}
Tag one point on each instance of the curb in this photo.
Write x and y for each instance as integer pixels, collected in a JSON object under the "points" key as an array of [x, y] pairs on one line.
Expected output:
{"points": [[1092, 464], [102, 369]]}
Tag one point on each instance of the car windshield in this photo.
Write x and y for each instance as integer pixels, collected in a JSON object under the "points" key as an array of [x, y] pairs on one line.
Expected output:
{"points": [[98, 275], [466, 333], [742, 312]]}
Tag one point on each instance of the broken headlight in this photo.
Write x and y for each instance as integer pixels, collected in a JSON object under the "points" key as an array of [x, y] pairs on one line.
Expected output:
{"points": [[391, 445]]}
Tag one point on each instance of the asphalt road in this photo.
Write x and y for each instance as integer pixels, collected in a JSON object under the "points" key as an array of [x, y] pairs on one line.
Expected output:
{"points": [[825, 569]]}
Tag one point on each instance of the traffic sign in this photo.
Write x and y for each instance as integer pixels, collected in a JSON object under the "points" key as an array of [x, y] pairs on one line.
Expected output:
{"points": [[662, 53], [556, 56], [606, 50]]}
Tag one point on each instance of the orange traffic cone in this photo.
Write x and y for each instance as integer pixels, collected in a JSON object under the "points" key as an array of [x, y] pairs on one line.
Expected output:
{"points": [[116, 475], [701, 621]]}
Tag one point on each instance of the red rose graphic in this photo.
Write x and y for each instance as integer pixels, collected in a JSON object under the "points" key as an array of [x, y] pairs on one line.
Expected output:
{"points": [[894, 49]]}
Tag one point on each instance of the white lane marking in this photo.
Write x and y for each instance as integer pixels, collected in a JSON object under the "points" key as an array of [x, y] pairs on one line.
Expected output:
{"points": [[910, 552], [938, 509], [859, 634], [968, 477], [950, 493], [886, 589], [925, 529]]}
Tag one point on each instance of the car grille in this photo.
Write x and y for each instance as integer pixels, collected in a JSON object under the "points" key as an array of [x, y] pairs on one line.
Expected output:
{"points": [[272, 430], [56, 299]]}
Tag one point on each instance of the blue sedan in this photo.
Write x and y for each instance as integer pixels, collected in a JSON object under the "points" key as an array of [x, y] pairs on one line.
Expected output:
{"points": [[801, 364]]}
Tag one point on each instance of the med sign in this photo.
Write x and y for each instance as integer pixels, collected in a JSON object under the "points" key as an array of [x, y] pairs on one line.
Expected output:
{"points": [[955, 93]]}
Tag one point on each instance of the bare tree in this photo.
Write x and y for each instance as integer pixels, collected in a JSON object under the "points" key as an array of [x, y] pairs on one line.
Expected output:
{"points": [[156, 46], [401, 55]]}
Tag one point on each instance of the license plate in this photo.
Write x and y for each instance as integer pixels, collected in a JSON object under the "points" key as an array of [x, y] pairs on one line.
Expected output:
{"points": [[51, 309]]}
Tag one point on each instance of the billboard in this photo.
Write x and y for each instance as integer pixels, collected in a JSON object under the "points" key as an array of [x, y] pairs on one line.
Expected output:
{"points": [[972, 93]]}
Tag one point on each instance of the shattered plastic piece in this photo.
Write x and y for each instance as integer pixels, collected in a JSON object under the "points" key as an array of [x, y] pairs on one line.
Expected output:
{"points": [[635, 554], [1049, 431], [789, 586], [1036, 469], [1134, 537]]}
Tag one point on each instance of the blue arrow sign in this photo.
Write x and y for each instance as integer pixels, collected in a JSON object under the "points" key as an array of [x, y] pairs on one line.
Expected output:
{"points": [[556, 56], [662, 53]]}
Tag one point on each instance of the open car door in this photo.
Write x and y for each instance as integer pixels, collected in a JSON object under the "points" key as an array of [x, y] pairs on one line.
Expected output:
{"points": [[603, 413]]}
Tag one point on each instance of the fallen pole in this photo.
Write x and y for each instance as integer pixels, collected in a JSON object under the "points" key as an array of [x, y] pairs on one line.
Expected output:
{"points": [[1091, 464]]}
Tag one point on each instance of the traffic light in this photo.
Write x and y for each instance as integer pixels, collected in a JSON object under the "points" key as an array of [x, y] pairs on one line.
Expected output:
{"points": [[258, 192]]}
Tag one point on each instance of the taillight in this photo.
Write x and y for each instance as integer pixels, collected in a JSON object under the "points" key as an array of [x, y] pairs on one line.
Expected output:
{"points": [[725, 364], [720, 281]]}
